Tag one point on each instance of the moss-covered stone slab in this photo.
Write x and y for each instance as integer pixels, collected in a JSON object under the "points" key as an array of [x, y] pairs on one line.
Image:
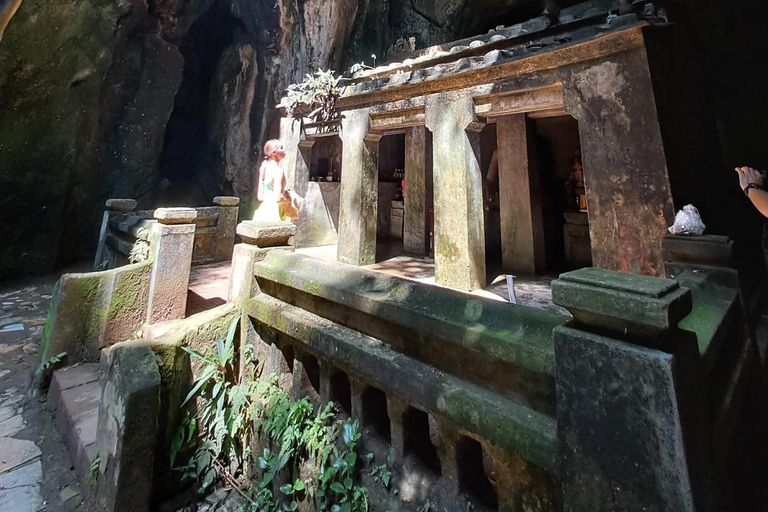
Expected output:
{"points": [[624, 304], [512, 334]]}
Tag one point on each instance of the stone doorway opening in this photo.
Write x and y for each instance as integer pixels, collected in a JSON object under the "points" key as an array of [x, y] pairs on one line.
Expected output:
{"points": [[318, 179], [563, 194], [489, 171], [325, 165], [542, 195], [390, 211]]}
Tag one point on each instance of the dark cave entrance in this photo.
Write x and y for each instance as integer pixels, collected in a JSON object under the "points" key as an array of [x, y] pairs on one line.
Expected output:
{"points": [[184, 162]]}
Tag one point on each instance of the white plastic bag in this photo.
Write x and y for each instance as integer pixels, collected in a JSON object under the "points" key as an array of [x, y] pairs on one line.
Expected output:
{"points": [[688, 222]]}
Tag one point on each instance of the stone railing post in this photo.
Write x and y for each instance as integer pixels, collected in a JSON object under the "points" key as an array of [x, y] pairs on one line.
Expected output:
{"points": [[631, 420], [683, 253], [113, 206], [259, 239], [173, 239], [225, 230]]}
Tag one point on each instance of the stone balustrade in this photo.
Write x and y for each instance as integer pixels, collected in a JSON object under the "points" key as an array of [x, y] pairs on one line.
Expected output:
{"points": [[454, 393], [94, 310], [124, 234]]}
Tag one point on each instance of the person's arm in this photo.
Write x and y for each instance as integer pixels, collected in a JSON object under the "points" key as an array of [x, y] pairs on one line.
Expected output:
{"points": [[758, 196], [259, 183], [279, 182]]}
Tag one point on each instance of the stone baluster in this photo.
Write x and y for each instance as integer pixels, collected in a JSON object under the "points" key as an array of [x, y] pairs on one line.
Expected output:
{"points": [[396, 408], [631, 419], [173, 237], [259, 239], [227, 225], [113, 206]]}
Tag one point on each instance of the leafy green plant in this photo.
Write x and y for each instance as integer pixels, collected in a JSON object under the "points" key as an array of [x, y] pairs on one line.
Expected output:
{"points": [[235, 409], [315, 97], [51, 361], [93, 473], [336, 485], [226, 414], [382, 474], [303, 435]]}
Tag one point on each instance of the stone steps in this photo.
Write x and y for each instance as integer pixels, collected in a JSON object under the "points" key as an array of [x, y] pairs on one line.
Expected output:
{"points": [[75, 395]]}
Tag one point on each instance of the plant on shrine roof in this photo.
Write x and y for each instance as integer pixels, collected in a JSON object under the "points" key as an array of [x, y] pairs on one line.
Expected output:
{"points": [[315, 98]]}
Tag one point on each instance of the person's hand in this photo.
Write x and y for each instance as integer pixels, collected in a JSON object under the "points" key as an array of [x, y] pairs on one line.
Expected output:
{"points": [[749, 175]]}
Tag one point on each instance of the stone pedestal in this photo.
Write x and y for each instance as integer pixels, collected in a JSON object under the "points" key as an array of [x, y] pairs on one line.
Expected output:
{"points": [[522, 227], [225, 230], [259, 239], [128, 428], [415, 223], [458, 197], [631, 419], [173, 238], [113, 206], [359, 190]]}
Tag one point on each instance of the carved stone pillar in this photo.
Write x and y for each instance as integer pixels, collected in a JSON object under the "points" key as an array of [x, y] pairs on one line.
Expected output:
{"points": [[414, 229], [459, 223], [359, 190]]}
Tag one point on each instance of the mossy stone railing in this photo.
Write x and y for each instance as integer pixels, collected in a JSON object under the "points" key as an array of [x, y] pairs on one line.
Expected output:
{"points": [[479, 369]]}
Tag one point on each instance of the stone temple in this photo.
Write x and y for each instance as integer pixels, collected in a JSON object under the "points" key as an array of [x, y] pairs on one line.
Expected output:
{"points": [[479, 307]]}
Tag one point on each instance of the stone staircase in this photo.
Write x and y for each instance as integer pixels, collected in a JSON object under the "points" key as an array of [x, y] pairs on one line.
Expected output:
{"points": [[74, 396]]}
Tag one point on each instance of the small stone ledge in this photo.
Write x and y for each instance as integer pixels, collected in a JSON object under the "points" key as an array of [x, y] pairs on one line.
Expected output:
{"points": [[622, 304], [176, 215], [708, 250], [121, 205], [226, 201], [263, 234]]}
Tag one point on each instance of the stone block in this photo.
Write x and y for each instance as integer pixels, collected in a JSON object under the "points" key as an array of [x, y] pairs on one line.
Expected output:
{"points": [[128, 428], [619, 426], [264, 234], [176, 215], [622, 304], [121, 205], [708, 250], [226, 200], [225, 233], [169, 280]]}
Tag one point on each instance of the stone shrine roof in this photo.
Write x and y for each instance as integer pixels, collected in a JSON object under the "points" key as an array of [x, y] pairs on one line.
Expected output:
{"points": [[581, 23]]}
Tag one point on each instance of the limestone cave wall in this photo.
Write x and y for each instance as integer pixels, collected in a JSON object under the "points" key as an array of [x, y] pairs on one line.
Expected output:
{"points": [[168, 101]]}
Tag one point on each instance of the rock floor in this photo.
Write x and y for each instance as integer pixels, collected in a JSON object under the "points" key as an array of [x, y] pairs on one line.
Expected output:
{"points": [[35, 471]]}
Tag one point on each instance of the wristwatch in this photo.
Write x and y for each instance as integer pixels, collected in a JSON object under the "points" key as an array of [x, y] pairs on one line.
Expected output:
{"points": [[751, 186]]}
